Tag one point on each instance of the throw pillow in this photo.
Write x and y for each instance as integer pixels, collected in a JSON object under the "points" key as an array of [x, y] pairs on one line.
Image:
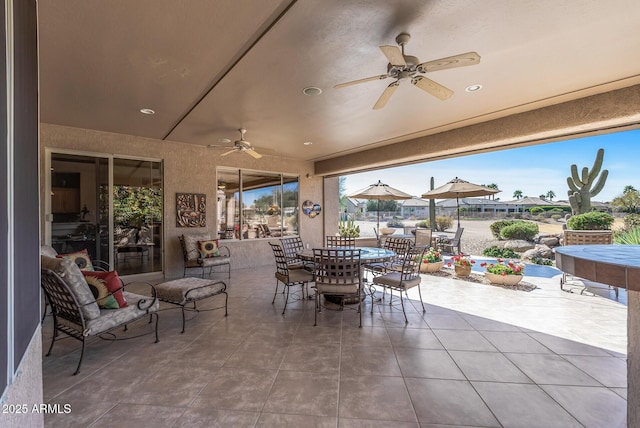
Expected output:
{"points": [[208, 248], [112, 282], [101, 293], [81, 258]]}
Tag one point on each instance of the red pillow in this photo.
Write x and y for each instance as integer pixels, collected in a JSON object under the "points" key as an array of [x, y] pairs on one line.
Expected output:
{"points": [[112, 281]]}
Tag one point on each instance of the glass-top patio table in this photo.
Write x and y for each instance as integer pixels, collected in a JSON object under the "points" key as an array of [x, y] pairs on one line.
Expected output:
{"points": [[367, 255]]}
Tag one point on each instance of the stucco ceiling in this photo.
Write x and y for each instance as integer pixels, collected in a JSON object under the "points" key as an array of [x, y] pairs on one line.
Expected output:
{"points": [[208, 68]]}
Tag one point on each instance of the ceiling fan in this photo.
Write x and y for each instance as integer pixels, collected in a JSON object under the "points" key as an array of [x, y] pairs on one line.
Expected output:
{"points": [[406, 67], [240, 145]]}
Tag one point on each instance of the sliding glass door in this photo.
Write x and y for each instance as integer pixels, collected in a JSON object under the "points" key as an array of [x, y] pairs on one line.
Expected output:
{"points": [[109, 207]]}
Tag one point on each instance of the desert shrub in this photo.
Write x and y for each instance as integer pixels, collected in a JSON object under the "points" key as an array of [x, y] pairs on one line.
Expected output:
{"points": [[630, 237], [395, 223], [556, 217], [631, 221], [497, 226], [594, 220], [500, 253], [520, 230], [536, 210], [443, 223], [541, 261], [423, 223]]}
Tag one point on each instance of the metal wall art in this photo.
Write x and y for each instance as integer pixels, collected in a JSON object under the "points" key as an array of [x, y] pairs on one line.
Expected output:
{"points": [[310, 208], [191, 210]]}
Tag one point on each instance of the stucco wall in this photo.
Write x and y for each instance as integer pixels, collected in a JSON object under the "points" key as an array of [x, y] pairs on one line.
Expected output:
{"points": [[190, 169], [26, 389]]}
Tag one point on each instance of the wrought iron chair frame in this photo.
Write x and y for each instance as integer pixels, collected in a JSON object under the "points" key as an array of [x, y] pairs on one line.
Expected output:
{"points": [[288, 277]]}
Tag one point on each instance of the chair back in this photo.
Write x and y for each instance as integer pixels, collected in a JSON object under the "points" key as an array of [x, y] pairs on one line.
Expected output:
{"points": [[398, 245], [340, 241], [423, 237], [282, 269], [62, 300], [337, 267], [411, 263], [455, 241], [291, 245]]}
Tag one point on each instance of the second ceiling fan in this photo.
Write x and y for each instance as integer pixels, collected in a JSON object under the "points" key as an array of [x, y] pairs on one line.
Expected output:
{"points": [[407, 67]]}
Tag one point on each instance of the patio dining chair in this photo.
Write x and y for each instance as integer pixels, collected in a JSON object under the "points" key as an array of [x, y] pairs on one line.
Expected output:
{"points": [[287, 276], [452, 245], [340, 241], [291, 246], [337, 274], [398, 245], [406, 277]]}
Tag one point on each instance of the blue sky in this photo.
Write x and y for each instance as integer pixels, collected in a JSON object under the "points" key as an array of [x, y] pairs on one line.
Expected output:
{"points": [[534, 170]]}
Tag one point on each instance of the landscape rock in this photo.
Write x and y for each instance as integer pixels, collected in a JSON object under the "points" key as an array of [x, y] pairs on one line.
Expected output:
{"points": [[550, 241], [519, 245], [540, 251]]}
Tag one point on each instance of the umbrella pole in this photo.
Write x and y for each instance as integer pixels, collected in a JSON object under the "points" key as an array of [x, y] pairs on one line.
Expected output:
{"points": [[378, 225], [458, 209]]}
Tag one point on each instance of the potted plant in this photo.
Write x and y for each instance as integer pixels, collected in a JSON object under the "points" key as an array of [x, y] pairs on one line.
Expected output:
{"points": [[504, 273], [431, 261], [462, 264], [589, 228]]}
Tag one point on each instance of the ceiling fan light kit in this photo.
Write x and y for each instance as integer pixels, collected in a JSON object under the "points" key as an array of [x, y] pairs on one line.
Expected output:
{"points": [[407, 67]]}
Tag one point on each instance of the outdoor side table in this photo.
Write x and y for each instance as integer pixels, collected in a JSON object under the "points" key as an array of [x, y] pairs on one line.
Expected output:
{"points": [[190, 290]]}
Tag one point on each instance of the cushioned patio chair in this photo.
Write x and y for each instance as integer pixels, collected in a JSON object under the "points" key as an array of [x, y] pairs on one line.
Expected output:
{"points": [[288, 277], [202, 252], [406, 277], [337, 274], [77, 313]]}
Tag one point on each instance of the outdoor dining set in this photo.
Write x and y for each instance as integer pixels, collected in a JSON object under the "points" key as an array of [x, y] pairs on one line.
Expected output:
{"points": [[339, 271]]}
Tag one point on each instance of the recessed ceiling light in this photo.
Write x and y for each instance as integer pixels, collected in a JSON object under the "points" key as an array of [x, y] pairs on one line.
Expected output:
{"points": [[312, 91], [224, 140], [308, 143], [147, 111], [473, 88]]}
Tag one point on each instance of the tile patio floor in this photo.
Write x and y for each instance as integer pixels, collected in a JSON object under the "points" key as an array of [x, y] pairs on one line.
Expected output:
{"points": [[481, 356]]}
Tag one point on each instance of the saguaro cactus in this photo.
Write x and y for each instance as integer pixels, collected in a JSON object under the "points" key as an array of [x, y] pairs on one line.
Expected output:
{"points": [[580, 187]]}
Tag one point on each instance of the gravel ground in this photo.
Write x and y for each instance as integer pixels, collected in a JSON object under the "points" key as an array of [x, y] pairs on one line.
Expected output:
{"points": [[475, 238]]}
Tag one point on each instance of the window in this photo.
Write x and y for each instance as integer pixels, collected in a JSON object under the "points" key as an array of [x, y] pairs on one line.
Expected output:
{"points": [[254, 204]]}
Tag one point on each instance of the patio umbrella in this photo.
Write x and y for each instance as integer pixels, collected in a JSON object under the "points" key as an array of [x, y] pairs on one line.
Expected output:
{"points": [[458, 188], [380, 191]]}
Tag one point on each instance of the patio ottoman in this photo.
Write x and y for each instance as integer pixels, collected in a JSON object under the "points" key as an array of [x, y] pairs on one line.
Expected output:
{"points": [[190, 290]]}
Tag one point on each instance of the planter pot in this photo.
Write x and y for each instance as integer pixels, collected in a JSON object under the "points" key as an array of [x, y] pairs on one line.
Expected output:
{"points": [[462, 270], [431, 267], [587, 237], [503, 279]]}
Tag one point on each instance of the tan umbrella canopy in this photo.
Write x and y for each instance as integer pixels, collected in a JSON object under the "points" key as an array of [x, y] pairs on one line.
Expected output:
{"points": [[458, 188], [380, 191]]}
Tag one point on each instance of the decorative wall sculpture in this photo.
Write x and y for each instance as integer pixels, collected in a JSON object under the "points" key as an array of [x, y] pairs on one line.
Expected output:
{"points": [[310, 208], [191, 210]]}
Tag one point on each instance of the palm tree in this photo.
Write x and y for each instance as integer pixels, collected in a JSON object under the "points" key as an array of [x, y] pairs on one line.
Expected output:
{"points": [[517, 194], [492, 186], [550, 195], [628, 188]]}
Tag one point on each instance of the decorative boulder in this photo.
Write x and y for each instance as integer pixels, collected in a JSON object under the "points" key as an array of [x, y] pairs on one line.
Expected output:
{"points": [[541, 251], [519, 245], [550, 241]]}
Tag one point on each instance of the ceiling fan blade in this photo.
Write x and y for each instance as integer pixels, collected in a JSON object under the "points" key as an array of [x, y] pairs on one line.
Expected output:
{"points": [[229, 152], [382, 101], [394, 55], [253, 153], [462, 60], [366, 79], [435, 89]]}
